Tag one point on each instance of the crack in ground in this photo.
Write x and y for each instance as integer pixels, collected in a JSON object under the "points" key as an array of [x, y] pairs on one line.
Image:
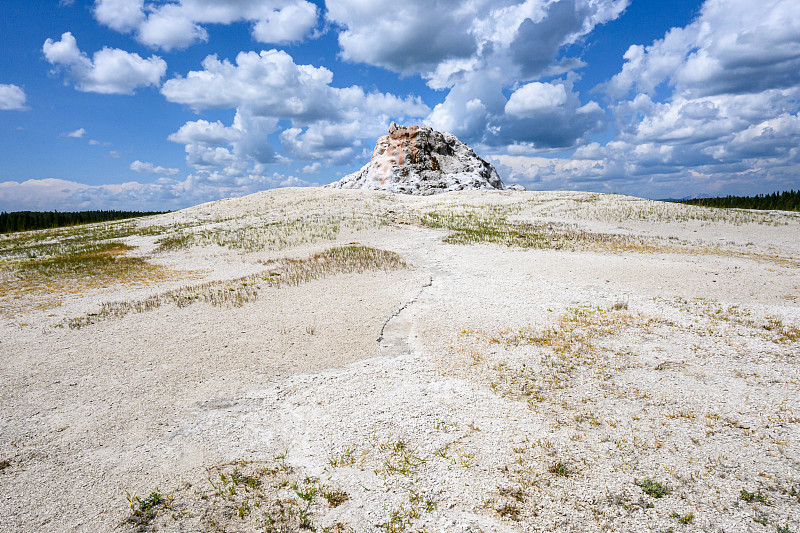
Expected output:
{"points": [[394, 315]]}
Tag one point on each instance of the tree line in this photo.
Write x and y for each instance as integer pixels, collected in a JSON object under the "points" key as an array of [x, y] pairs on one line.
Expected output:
{"points": [[30, 220], [784, 201]]}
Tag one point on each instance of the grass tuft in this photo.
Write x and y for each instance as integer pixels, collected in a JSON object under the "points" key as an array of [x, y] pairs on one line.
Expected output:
{"points": [[143, 511], [653, 488], [560, 469], [752, 496]]}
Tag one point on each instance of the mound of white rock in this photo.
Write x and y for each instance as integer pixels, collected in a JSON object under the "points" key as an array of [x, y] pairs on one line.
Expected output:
{"points": [[420, 160]]}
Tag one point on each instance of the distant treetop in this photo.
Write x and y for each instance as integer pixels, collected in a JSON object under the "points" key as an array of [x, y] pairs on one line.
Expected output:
{"points": [[31, 220], [783, 201]]}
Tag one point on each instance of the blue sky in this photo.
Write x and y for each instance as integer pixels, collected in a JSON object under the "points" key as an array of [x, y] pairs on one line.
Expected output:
{"points": [[152, 104]]}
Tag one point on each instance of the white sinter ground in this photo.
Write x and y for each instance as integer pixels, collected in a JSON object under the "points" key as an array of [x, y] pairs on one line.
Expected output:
{"points": [[546, 361]]}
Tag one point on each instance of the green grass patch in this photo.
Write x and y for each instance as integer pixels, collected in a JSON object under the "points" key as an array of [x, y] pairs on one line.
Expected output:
{"points": [[653, 488], [752, 496]]}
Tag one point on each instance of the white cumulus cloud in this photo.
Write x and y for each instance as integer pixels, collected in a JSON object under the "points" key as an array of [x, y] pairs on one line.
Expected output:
{"points": [[170, 25], [149, 168], [109, 71], [535, 97], [163, 194], [313, 168], [479, 50], [708, 108], [327, 122], [205, 132], [718, 98], [77, 134], [726, 50], [12, 98]]}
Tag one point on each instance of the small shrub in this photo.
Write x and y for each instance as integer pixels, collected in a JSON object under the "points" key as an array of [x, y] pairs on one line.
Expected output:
{"points": [[306, 492], [336, 497], [621, 304], [145, 510], [653, 488], [510, 511], [686, 519], [559, 469], [752, 496]]}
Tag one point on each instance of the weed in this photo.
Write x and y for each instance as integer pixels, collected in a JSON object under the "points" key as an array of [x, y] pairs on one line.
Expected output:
{"points": [[143, 511], [282, 461], [248, 497], [243, 509], [466, 460], [251, 481], [305, 491], [400, 459], [621, 304], [173, 242], [398, 521], [336, 497], [653, 488], [510, 511], [444, 425], [752, 496], [515, 493], [685, 519], [442, 452], [784, 529], [558, 468], [420, 502], [346, 458]]}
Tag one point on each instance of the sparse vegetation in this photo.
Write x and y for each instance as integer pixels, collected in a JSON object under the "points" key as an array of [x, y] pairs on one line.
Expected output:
{"points": [[746, 496], [174, 241], [143, 511], [345, 458], [235, 293], [587, 392], [559, 469], [399, 457], [475, 227], [683, 519], [245, 496], [510, 511], [335, 497], [38, 269], [653, 488]]}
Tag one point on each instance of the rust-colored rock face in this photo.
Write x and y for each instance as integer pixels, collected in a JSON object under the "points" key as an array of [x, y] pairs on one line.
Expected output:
{"points": [[420, 160]]}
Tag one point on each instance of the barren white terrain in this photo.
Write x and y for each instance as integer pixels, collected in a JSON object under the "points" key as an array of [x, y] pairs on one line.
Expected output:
{"points": [[348, 360]]}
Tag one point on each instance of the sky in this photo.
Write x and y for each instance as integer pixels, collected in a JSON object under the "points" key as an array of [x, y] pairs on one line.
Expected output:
{"points": [[164, 104]]}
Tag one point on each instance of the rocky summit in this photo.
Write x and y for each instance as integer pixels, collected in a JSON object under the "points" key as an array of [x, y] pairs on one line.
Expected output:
{"points": [[420, 160]]}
